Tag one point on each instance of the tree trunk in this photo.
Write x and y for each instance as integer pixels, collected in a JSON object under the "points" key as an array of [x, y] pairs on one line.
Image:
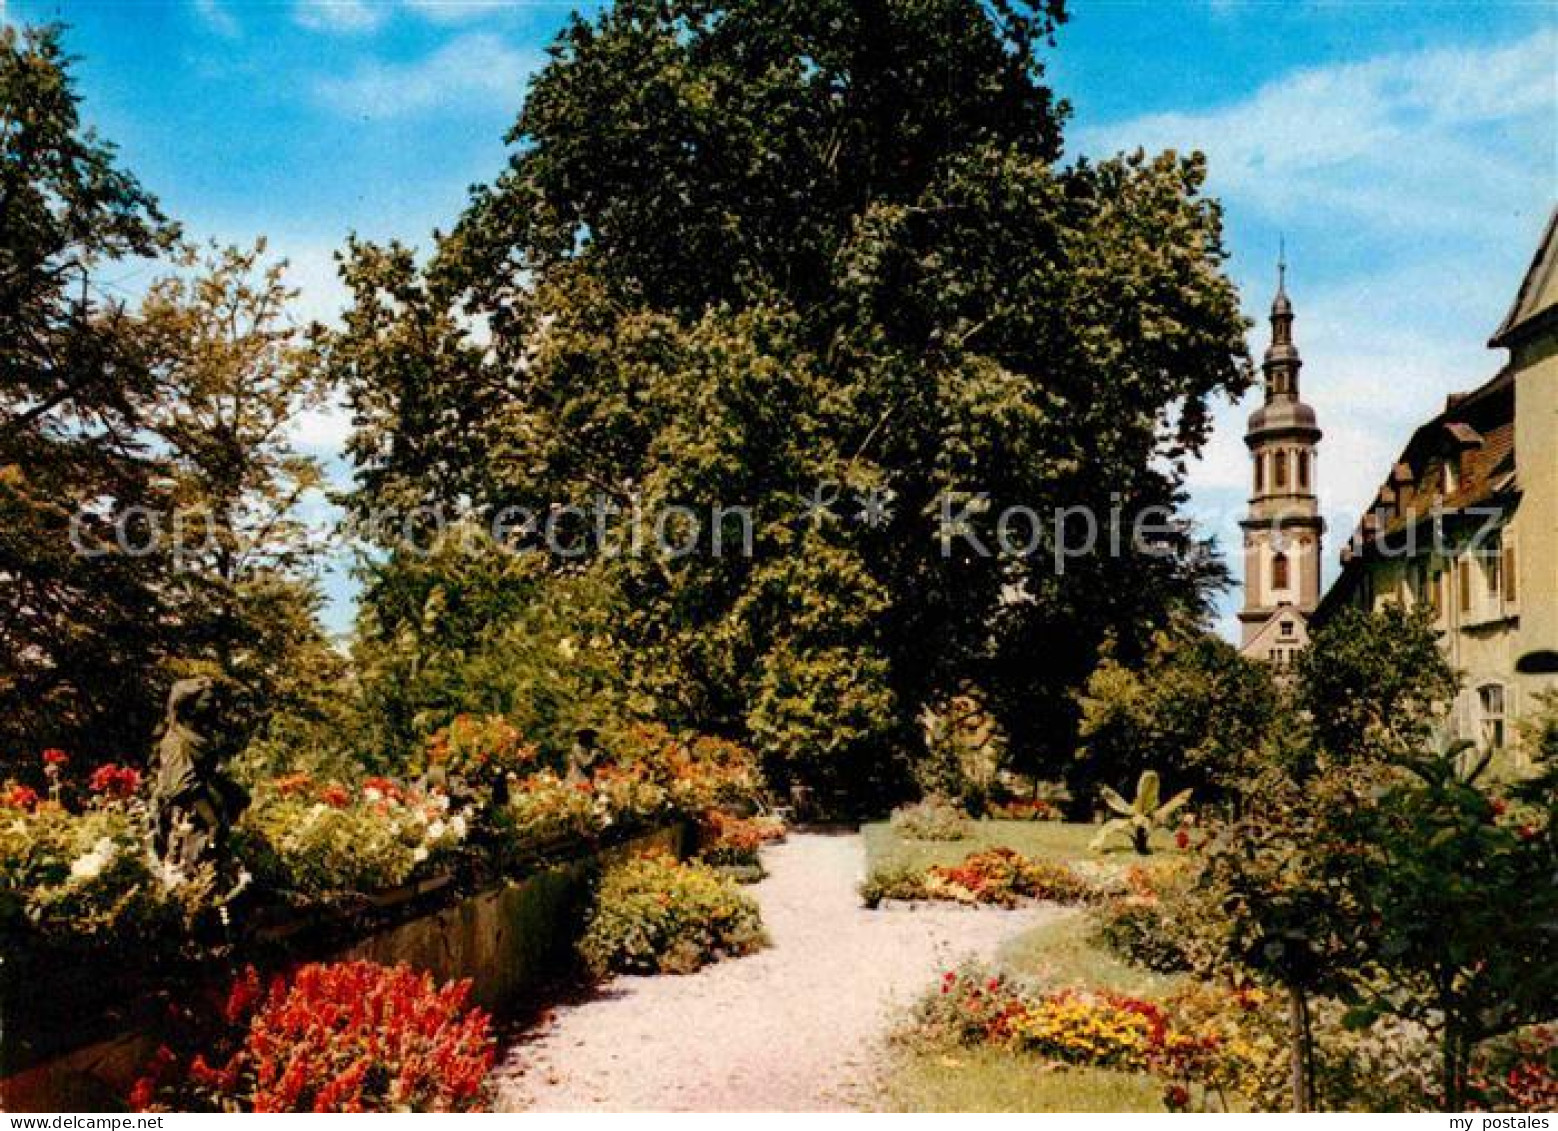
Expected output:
{"points": [[1298, 1042]]}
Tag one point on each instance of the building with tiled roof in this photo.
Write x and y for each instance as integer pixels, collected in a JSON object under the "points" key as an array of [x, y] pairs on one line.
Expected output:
{"points": [[1466, 521]]}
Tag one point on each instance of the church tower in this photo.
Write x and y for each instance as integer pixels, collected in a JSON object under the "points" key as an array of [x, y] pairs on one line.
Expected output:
{"points": [[1283, 527]]}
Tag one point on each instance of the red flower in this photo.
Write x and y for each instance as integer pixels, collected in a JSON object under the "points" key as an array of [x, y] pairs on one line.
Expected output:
{"points": [[55, 757], [116, 782], [291, 785], [20, 797], [1182, 839], [1500, 806], [1176, 1097], [335, 795]]}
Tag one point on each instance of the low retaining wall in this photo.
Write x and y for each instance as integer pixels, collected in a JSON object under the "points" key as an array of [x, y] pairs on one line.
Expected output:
{"points": [[506, 940]]}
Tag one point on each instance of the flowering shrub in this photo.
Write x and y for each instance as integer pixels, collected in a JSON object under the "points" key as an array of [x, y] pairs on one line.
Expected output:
{"points": [[735, 842], [544, 811], [655, 915], [627, 796], [70, 879], [934, 818], [326, 839], [970, 1006], [1518, 1072], [339, 1037], [477, 758], [698, 774], [86, 875]]}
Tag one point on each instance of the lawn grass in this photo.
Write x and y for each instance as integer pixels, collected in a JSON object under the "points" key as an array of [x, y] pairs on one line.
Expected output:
{"points": [[993, 1080], [1058, 953], [1049, 840]]}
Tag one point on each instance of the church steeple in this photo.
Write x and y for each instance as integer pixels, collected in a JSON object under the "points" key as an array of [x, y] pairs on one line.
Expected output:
{"points": [[1283, 528], [1282, 361]]}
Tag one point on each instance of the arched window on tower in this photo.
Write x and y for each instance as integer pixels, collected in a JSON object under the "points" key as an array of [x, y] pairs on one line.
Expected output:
{"points": [[1279, 470], [1260, 473], [1303, 470], [1279, 571]]}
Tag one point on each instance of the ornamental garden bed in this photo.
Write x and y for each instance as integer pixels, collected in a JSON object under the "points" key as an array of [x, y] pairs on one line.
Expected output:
{"points": [[76, 1038]]}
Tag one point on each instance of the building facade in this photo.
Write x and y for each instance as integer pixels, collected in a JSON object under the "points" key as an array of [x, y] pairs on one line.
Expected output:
{"points": [[1283, 530], [1466, 522]]}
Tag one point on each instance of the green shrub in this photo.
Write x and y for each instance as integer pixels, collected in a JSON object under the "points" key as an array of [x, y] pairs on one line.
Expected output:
{"points": [[1137, 930], [655, 915], [935, 818], [895, 882]]}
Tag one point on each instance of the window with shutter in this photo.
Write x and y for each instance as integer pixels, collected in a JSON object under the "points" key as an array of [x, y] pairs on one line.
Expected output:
{"points": [[1509, 575], [1464, 571]]}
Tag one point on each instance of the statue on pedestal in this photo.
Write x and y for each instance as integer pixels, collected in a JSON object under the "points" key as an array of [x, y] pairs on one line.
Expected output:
{"points": [[193, 802]]}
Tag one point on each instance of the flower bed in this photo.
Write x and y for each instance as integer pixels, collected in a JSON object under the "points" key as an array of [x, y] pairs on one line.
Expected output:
{"points": [[78, 876], [997, 876], [1196, 1042], [322, 840], [338, 1037]]}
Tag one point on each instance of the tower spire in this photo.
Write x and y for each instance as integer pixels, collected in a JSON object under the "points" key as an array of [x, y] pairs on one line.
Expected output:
{"points": [[1282, 361]]}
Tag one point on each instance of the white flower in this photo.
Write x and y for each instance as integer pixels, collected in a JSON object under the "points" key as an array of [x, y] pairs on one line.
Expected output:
{"points": [[435, 830], [373, 794], [420, 854], [90, 865], [457, 825]]}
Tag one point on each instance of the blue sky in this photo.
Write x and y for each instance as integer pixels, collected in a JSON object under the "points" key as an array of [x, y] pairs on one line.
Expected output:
{"points": [[1407, 151]]}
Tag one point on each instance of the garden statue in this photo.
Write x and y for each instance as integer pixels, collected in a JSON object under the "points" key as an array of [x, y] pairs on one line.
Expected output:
{"points": [[193, 803], [583, 756]]}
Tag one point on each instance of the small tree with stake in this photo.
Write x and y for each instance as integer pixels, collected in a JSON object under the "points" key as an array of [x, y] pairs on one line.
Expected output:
{"points": [[1463, 886], [1282, 874]]}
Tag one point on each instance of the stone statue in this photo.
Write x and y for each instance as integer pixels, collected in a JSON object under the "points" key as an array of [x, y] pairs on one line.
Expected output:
{"points": [[194, 804], [583, 756]]}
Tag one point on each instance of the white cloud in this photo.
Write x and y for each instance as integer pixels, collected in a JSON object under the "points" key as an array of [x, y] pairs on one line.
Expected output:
{"points": [[476, 67], [216, 17], [1402, 142], [455, 11], [340, 15]]}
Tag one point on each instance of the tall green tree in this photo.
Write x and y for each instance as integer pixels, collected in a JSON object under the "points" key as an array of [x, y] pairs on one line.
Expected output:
{"points": [[234, 376], [1375, 684], [745, 252], [1194, 710], [79, 601]]}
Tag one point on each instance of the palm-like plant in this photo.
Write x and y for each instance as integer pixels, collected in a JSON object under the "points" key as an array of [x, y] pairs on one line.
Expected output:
{"points": [[1138, 818]]}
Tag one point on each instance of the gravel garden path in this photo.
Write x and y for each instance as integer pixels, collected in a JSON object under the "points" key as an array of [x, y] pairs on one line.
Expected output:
{"points": [[796, 1027]]}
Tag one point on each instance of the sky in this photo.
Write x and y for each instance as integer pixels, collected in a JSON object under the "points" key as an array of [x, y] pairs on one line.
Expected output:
{"points": [[1407, 154]]}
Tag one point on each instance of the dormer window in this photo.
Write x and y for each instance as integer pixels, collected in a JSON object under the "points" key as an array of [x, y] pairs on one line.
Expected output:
{"points": [[1451, 482]]}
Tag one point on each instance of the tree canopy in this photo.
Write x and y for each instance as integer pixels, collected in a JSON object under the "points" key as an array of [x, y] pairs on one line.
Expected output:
{"points": [[747, 251]]}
